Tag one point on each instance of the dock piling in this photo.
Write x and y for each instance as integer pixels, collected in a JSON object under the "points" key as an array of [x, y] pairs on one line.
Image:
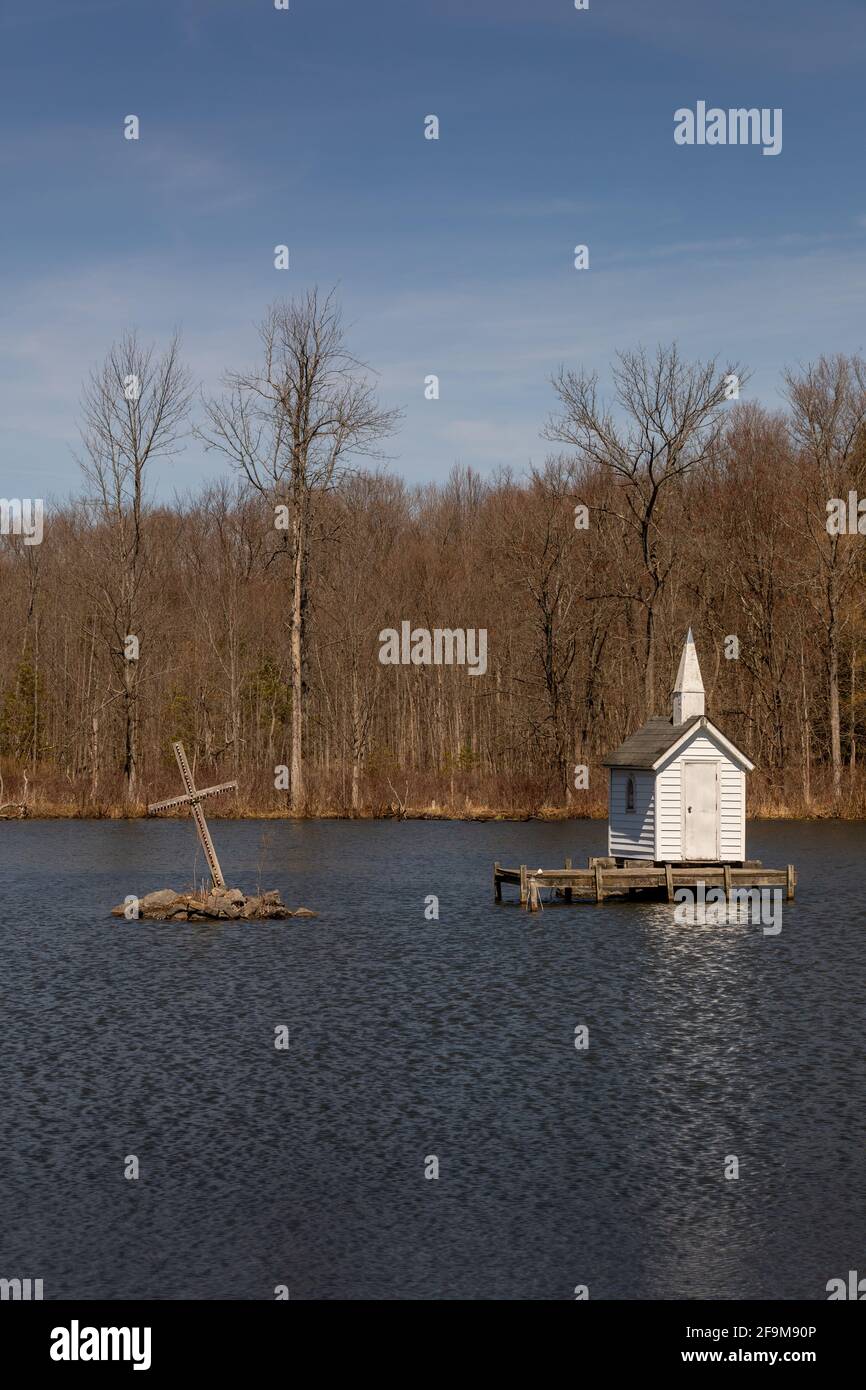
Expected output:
{"points": [[599, 887]]}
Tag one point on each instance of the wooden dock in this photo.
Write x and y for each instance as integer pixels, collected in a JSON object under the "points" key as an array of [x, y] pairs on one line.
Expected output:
{"points": [[603, 880]]}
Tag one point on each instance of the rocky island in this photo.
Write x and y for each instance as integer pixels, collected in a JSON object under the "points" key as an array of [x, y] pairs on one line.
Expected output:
{"points": [[219, 904]]}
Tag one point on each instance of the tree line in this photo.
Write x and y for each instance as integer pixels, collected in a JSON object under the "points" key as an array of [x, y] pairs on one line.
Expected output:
{"points": [[246, 620]]}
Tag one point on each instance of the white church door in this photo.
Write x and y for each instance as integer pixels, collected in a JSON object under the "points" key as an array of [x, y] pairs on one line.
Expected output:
{"points": [[701, 810]]}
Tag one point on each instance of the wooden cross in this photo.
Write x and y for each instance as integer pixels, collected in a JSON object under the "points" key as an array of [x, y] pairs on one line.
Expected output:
{"points": [[192, 798]]}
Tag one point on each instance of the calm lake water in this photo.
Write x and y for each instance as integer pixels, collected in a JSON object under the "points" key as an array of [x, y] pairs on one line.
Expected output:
{"points": [[411, 1038]]}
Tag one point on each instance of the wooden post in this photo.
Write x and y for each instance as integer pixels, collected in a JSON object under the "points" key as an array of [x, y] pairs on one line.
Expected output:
{"points": [[789, 887], [523, 889], [533, 895], [727, 870], [497, 882], [567, 892], [669, 882], [599, 889]]}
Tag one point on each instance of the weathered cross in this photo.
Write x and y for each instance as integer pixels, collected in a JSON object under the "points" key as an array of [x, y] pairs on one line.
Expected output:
{"points": [[192, 798]]}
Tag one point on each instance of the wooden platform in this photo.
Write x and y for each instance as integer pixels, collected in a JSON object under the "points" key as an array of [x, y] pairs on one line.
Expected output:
{"points": [[600, 880]]}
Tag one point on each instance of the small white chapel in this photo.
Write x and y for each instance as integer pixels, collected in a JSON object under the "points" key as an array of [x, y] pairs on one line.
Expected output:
{"points": [[677, 787]]}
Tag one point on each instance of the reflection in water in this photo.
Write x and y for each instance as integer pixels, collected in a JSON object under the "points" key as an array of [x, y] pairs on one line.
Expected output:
{"points": [[411, 1038]]}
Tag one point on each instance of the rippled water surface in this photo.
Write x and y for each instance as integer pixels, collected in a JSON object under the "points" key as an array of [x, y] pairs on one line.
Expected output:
{"points": [[411, 1038]]}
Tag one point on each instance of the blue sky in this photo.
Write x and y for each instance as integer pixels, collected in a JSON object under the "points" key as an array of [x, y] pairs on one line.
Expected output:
{"points": [[453, 257]]}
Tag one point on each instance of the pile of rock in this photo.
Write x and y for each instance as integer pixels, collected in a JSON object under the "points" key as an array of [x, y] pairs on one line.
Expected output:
{"points": [[220, 904]]}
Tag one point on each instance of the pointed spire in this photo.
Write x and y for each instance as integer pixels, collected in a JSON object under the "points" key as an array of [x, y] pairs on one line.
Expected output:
{"points": [[688, 692]]}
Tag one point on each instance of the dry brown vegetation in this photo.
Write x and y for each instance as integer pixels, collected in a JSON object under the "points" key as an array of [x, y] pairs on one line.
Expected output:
{"points": [[701, 512]]}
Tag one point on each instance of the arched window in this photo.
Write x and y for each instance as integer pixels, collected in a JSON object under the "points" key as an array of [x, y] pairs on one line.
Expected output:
{"points": [[629, 794]]}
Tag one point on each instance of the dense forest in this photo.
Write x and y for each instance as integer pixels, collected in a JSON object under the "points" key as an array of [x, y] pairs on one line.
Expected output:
{"points": [[256, 607]]}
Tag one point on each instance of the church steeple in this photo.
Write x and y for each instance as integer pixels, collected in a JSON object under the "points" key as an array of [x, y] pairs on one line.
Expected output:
{"points": [[688, 692]]}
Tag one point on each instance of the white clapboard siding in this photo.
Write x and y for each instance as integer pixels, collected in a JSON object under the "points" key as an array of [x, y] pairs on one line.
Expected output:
{"points": [[732, 799], [631, 834], [669, 799], [732, 792]]}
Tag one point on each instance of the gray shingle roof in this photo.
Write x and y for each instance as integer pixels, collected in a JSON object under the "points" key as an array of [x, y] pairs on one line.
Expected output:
{"points": [[646, 746]]}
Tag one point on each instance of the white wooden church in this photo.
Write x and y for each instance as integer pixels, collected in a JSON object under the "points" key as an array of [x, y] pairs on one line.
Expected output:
{"points": [[677, 787]]}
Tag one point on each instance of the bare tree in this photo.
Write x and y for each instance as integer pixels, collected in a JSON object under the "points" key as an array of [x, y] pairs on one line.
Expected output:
{"points": [[134, 409], [828, 420], [672, 419], [291, 425], [541, 541], [222, 550], [360, 570]]}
